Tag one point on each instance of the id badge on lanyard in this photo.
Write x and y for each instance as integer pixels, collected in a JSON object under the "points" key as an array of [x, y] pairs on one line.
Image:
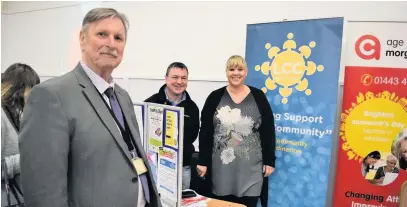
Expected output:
{"points": [[138, 163]]}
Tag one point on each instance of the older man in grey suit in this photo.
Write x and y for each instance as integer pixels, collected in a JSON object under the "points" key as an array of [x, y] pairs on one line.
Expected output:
{"points": [[80, 144]]}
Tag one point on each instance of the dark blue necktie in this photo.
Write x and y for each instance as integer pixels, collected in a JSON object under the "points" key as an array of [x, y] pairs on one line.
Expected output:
{"points": [[119, 116]]}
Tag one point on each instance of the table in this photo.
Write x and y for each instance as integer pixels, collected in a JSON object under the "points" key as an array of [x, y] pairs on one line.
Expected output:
{"points": [[211, 202], [200, 201], [219, 203]]}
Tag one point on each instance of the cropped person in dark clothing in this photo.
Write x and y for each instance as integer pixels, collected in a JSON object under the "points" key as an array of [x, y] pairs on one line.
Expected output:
{"points": [[16, 84], [174, 93]]}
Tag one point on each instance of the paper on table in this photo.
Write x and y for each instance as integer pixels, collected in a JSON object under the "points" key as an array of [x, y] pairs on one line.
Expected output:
{"points": [[389, 178], [370, 175], [198, 201]]}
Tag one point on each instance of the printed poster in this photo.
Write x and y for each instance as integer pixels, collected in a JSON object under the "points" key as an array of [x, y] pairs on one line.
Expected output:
{"points": [[155, 128], [373, 120], [168, 177], [171, 129], [296, 64], [152, 158], [373, 137], [164, 153]]}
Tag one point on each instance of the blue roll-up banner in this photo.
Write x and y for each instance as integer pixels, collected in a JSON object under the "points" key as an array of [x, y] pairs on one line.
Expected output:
{"points": [[297, 64]]}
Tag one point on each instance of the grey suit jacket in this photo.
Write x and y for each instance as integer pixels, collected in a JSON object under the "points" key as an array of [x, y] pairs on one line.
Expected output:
{"points": [[72, 152], [9, 152]]}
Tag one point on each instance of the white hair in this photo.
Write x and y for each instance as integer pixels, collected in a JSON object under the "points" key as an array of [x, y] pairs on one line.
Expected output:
{"points": [[97, 14], [396, 148]]}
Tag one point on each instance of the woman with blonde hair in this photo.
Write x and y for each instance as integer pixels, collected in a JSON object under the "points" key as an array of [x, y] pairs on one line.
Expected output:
{"points": [[399, 149], [16, 83], [237, 139]]}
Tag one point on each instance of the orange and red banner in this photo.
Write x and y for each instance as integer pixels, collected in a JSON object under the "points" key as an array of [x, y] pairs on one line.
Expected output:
{"points": [[372, 153]]}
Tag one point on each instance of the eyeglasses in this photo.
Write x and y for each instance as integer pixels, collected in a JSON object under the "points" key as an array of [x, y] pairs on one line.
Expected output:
{"points": [[393, 163]]}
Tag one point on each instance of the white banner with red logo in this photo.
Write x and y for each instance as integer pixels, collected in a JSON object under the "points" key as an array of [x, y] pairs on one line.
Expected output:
{"points": [[377, 44]]}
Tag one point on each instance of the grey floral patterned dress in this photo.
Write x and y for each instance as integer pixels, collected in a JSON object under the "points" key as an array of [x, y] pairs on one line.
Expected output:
{"points": [[237, 166]]}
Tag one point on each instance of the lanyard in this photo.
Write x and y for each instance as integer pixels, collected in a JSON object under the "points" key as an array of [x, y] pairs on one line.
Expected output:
{"points": [[133, 154], [124, 132]]}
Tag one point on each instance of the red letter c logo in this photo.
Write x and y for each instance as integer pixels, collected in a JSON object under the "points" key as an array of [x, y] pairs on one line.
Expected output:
{"points": [[368, 47]]}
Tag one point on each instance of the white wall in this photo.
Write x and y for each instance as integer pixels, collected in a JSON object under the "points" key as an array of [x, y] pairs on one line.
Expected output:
{"points": [[200, 34]]}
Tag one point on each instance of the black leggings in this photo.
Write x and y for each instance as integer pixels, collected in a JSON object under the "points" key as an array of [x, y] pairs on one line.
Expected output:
{"points": [[248, 201]]}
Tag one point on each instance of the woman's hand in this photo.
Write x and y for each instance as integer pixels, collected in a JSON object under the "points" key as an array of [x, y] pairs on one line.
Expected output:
{"points": [[268, 170], [201, 170]]}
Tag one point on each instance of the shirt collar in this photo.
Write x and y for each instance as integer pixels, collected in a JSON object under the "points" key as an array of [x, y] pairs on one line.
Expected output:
{"points": [[173, 103], [100, 83]]}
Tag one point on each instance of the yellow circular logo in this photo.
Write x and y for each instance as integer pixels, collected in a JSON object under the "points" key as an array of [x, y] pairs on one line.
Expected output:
{"points": [[372, 124], [289, 68]]}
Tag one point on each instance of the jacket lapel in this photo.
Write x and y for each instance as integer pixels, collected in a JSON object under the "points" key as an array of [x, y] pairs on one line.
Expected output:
{"points": [[127, 112], [92, 95]]}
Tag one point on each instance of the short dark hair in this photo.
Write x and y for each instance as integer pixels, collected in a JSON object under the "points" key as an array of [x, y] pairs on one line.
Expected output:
{"points": [[176, 65], [14, 84], [375, 155]]}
